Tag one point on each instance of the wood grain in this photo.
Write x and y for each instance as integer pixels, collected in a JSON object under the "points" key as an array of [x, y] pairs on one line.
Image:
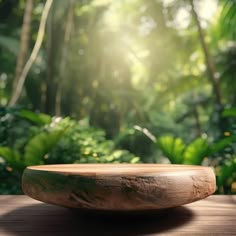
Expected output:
{"points": [[122, 187], [23, 216]]}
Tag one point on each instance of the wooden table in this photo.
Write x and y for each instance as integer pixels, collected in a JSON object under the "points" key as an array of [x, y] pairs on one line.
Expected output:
{"points": [[20, 215]]}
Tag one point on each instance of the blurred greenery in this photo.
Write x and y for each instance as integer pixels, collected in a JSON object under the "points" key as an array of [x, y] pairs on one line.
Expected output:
{"points": [[49, 140], [119, 81]]}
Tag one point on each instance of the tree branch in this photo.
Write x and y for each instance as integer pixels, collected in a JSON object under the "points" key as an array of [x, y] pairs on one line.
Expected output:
{"points": [[19, 86], [24, 41]]}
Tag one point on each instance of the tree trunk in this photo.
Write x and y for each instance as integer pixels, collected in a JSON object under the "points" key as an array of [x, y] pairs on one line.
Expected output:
{"points": [[209, 63], [20, 83], [222, 122], [24, 41], [48, 86], [67, 34]]}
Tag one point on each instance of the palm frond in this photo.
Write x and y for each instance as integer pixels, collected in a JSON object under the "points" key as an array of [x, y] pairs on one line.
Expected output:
{"points": [[228, 18]]}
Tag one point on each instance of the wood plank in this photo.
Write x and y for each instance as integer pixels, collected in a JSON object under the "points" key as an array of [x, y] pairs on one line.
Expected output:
{"points": [[21, 215]]}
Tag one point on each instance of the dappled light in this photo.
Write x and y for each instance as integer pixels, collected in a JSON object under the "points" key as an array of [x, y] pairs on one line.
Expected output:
{"points": [[129, 81]]}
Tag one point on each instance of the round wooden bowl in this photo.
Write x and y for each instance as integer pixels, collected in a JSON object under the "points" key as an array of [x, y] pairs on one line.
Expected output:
{"points": [[118, 187]]}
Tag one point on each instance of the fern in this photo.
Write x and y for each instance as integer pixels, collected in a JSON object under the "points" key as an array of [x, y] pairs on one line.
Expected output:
{"points": [[228, 16], [12, 157], [39, 118], [172, 148], [179, 153], [196, 151], [40, 145]]}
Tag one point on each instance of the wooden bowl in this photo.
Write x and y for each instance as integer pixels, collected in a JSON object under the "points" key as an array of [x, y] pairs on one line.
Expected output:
{"points": [[118, 187]]}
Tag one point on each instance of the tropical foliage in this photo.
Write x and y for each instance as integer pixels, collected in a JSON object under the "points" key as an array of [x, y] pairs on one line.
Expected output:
{"points": [[117, 81], [41, 139]]}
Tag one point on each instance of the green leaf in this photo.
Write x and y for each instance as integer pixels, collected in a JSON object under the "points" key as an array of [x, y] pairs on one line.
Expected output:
{"points": [[40, 118], [12, 157], [172, 148], [231, 112], [228, 17], [221, 144], [226, 172], [196, 151], [40, 145]]}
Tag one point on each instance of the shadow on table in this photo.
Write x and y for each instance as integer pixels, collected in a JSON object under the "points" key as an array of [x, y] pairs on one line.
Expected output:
{"points": [[51, 220]]}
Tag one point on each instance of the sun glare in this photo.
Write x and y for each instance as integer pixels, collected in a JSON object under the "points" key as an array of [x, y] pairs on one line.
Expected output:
{"points": [[117, 21], [206, 10]]}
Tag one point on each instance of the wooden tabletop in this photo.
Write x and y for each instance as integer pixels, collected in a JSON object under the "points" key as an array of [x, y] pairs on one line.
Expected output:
{"points": [[21, 215]]}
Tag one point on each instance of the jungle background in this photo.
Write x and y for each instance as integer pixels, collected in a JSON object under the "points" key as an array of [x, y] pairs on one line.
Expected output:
{"points": [[102, 81]]}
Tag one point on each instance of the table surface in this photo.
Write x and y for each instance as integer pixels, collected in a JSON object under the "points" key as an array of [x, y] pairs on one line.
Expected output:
{"points": [[21, 215]]}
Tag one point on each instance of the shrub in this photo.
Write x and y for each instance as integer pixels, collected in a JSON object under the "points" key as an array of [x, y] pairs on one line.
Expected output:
{"points": [[28, 139]]}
